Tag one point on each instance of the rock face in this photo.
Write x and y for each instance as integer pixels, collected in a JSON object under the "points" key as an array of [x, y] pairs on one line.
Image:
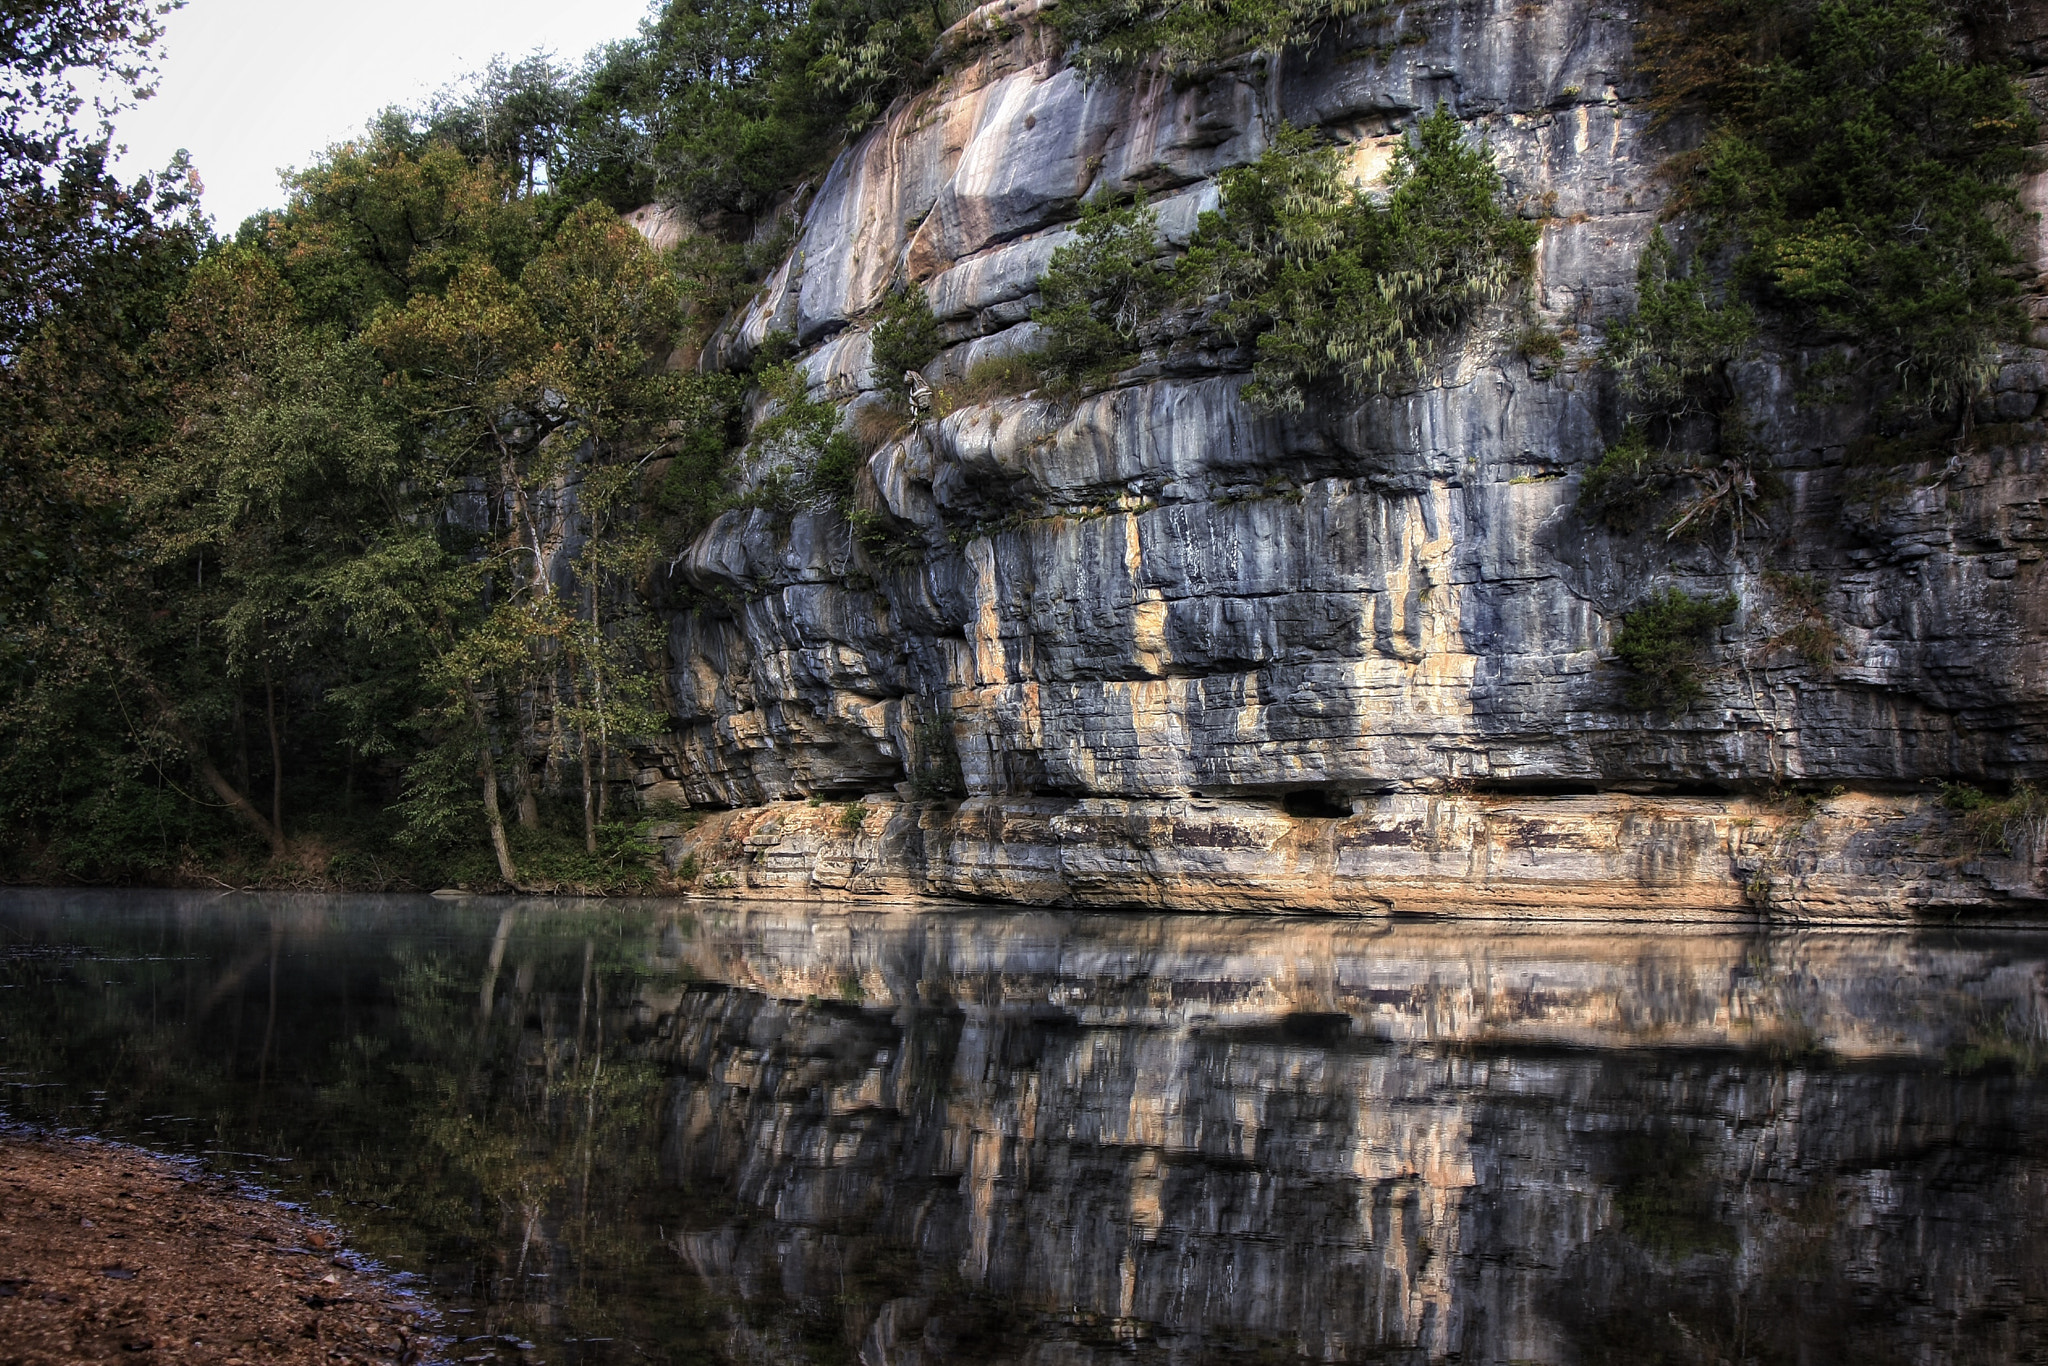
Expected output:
{"points": [[1189, 654], [1048, 1138]]}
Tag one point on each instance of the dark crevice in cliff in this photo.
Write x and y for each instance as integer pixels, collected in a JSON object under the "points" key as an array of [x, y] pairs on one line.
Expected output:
{"points": [[1318, 803]]}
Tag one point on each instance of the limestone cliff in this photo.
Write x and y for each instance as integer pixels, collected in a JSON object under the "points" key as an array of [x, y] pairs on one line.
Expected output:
{"points": [[1189, 654]]}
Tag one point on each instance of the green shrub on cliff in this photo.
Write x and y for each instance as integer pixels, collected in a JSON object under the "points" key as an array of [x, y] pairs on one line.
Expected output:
{"points": [[1189, 34], [1863, 163], [1638, 485], [693, 489], [1333, 288], [813, 460], [1098, 290], [905, 337], [1672, 354], [1337, 289], [1997, 822], [1661, 644], [1624, 485]]}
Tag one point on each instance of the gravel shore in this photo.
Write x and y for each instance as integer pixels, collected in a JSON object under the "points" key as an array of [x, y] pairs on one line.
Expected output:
{"points": [[110, 1254]]}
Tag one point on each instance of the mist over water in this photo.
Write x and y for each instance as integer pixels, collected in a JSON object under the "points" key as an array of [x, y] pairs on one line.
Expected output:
{"points": [[681, 1132]]}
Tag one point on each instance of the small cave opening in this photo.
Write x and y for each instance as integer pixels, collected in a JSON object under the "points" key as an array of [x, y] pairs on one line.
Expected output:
{"points": [[1534, 787], [1315, 1027], [1316, 803]]}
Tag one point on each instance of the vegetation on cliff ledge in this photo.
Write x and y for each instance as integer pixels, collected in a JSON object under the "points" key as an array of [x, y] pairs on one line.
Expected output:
{"points": [[1332, 286], [1862, 163], [1189, 34], [1662, 643], [1853, 199], [1339, 288], [1856, 192]]}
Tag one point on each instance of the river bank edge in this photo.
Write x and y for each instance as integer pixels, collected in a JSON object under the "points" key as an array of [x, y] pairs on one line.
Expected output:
{"points": [[1866, 856], [1843, 856], [112, 1252]]}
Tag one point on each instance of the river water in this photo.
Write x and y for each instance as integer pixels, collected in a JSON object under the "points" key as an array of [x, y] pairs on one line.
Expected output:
{"points": [[686, 1132]]}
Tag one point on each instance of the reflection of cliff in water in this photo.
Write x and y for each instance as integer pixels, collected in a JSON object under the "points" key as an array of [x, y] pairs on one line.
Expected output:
{"points": [[663, 1133], [1034, 1138]]}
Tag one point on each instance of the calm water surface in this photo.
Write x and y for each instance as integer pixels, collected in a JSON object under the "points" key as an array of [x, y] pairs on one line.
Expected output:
{"points": [[613, 1132]]}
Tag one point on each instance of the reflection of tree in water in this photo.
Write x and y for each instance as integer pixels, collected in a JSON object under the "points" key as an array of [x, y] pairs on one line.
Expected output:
{"points": [[482, 1108], [535, 1172]]}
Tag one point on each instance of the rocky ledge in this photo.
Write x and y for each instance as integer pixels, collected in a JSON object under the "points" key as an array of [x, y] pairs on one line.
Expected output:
{"points": [[1850, 856]]}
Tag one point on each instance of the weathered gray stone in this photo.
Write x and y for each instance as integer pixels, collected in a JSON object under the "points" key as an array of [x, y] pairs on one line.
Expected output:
{"points": [[1152, 592]]}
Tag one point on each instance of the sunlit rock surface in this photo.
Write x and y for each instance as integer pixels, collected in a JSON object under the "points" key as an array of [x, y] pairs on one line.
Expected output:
{"points": [[1118, 610], [1847, 857]]}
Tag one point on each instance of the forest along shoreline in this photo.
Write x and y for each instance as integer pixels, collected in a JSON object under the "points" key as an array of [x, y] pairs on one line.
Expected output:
{"points": [[111, 1253], [1581, 459]]}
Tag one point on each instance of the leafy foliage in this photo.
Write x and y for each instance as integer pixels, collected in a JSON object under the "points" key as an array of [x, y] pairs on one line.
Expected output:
{"points": [[519, 383], [1187, 35], [1624, 486], [874, 49], [1672, 354], [1661, 643], [1332, 287], [60, 211], [721, 106], [2000, 823], [1864, 166], [1339, 289], [801, 438], [1630, 486], [905, 337], [1097, 291], [692, 488], [390, 215], [514, 115], [304, 546]]}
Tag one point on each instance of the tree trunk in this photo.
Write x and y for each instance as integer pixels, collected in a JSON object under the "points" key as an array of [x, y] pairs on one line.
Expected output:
{"points": [[241, 744], [487, 769], [244, 809], [589, 811], [276, 759], [583, 759], [508, 472], [524, 803], [604, 735], [522, 783]]}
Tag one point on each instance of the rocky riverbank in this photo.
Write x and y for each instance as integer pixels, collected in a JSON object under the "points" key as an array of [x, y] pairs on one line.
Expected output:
{"points": [[1849, 856], [110, 1254]]}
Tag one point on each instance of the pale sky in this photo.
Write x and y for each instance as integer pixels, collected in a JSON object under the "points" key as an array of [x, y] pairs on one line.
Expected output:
{"points": [[252, 86]]}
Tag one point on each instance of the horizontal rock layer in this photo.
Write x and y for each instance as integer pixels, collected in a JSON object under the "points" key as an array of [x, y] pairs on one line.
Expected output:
{"points": [[1116, 610], [1855, 856]]}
